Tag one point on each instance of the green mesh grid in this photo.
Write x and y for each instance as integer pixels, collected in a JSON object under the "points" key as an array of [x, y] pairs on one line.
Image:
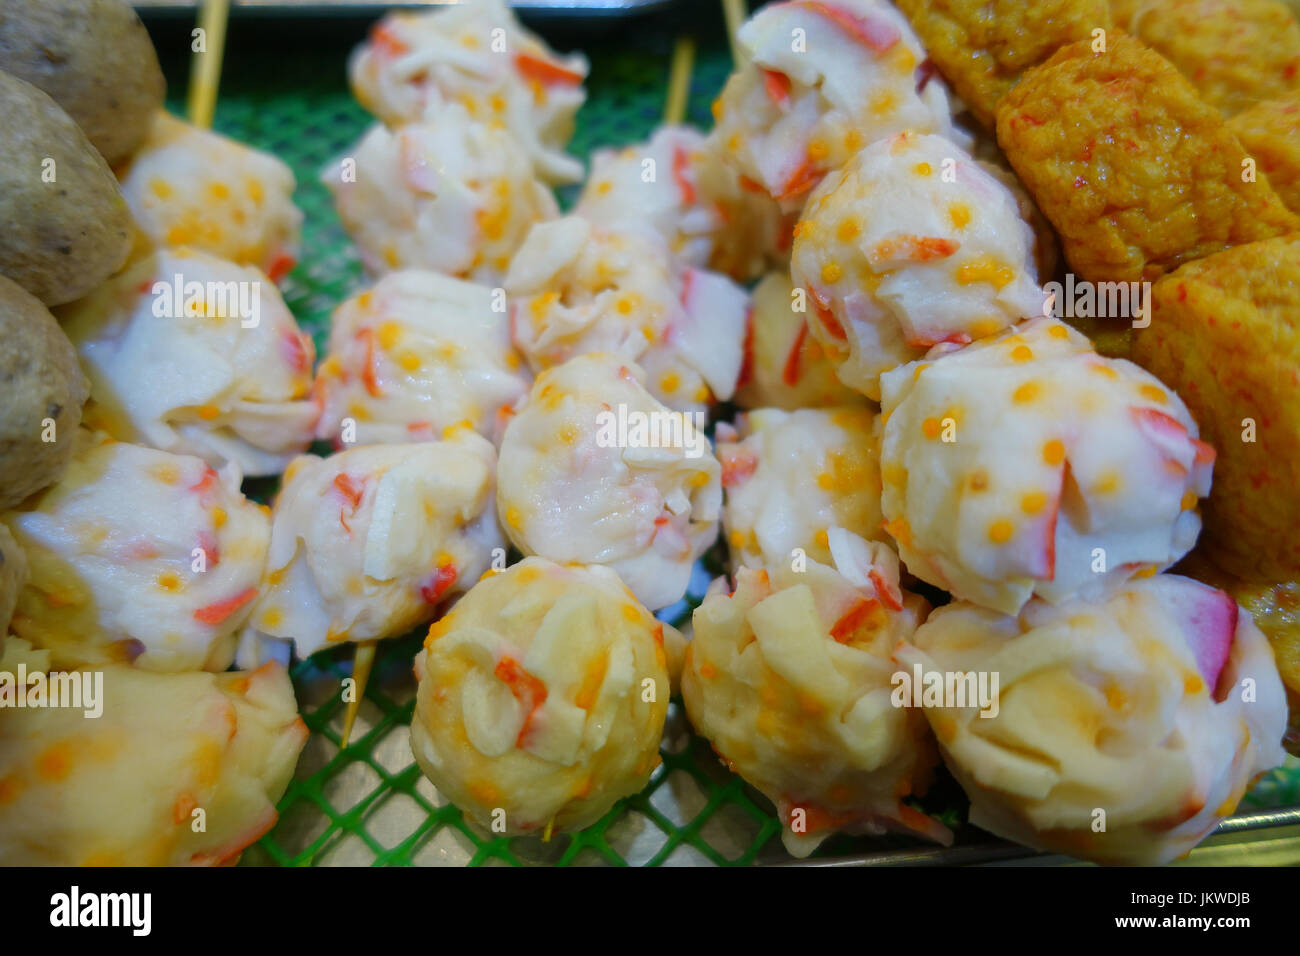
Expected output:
{"points": [[368, 803]]}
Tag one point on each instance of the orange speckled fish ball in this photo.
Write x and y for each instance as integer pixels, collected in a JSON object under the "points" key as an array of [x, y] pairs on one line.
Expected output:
{"points": [[1157, 706], [140, 556], [122, 788], [790, 679], [542, 697], [188, 186]]}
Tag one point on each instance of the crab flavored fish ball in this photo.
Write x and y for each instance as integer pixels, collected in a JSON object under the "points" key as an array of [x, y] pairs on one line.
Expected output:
{"points": [[140, 556], [121, 787], [414, 355], [678, 186], [1027, 464], [477, 55], [192, 354], [450, 193], [594, 470], [820, 81], [367, 543], [785, 366], [542, 698], [789, 678], [1158, 706], [577, 288], [789, 477], [912, 244], [188, 186]]}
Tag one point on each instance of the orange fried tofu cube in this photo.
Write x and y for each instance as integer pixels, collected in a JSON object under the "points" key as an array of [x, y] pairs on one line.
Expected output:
{"points": [[1270, 131], [1135, 171], [1225, 334], [1235, 52], [983, 47]]}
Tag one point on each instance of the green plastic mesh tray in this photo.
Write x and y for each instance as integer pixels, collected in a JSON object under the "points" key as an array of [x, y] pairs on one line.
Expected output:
{"points": [[368, 803]]}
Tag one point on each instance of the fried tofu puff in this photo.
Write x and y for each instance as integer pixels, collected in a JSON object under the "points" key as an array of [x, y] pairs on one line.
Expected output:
{"points": [[449, 193], [784, 366], [1235, 52], [478, 55], [820, 81], [1136, 173], [911, 244], [789, 477], [1225, 332], [594, 470], [576, 288], [982, 48], [126, 788], [679, 187], [188, 186], [542, 698], [1028, 464], [138, 556], [1156, 707], [195, 355], [790, 679], [367, 543], [414, 355], [1270, 131]]}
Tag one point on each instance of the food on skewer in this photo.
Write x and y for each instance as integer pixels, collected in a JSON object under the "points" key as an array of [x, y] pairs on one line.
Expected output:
{"points": [[981, 48], [192, 187], [676, 185], [1270, 131], [479, 55], [786, 367], [822, 79], [789, 678], [42, 390], [1235, 52], [167, 752], [413, 355], [94, 58], [1126, 729], [911, 245], [138, 556], [66, 226], [594, 470], [1275, 609], [542, 698], [1027, 464], [1092, 137], [191, 354], [577, 288], [789, 477], [13, 575], [1224, 334], [447, 193], [367, 543]]}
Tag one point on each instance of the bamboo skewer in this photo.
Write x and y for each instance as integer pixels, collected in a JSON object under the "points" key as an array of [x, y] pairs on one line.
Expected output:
{"points": [[363, 658], [679, 81], [734, 12], [205, 73]]}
